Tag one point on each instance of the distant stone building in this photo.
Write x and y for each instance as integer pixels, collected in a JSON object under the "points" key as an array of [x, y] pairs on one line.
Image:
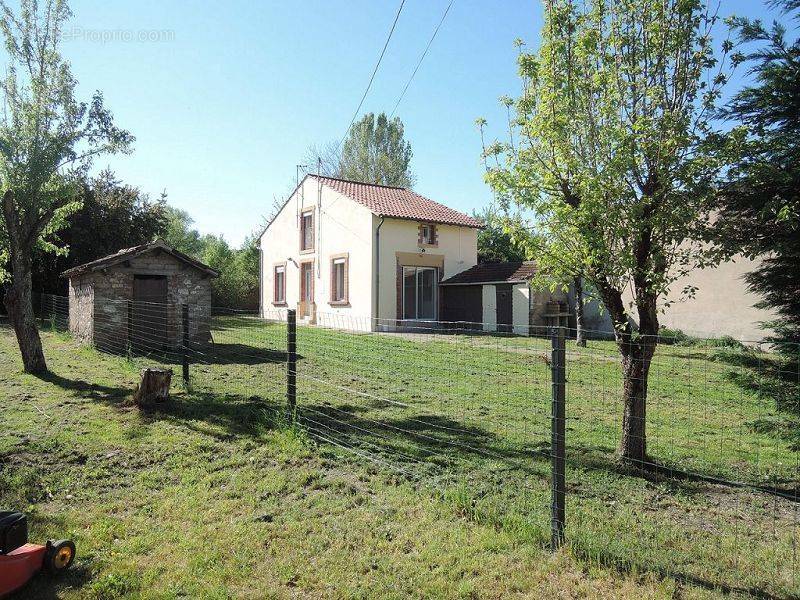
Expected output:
{"points": [[132, 299]]}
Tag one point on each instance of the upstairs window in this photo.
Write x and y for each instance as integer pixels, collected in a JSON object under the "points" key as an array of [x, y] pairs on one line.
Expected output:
{"points": [[339, 280], [307, 231], [427, 234], [279, 291]]}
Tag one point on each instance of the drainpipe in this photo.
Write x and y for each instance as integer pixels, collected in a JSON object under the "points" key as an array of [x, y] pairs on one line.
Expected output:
{"points": [[378, 270], [261, 281]]}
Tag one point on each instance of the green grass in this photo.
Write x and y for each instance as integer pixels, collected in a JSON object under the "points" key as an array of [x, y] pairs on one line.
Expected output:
{"points": [[419, 469]]}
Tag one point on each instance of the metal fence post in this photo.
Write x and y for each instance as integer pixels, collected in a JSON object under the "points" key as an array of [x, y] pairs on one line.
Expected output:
{"points": [[185, 344], [291, 363], [130, 328], [558, 444]]}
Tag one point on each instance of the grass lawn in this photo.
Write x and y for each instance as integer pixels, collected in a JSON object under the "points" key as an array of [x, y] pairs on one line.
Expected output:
{"points": [[419, 469]]}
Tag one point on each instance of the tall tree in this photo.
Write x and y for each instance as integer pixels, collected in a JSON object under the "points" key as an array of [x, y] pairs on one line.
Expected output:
{"points": [[498, 240], [179, 233], [237, 285], [514, 230], [376, 152], [612, 157], [760, 208], [112, 215], [47, 142]]}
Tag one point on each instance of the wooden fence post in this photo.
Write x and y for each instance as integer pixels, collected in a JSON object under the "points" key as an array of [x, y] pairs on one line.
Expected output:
{"points": [[558, 442], [291, 364], [185, 344]]}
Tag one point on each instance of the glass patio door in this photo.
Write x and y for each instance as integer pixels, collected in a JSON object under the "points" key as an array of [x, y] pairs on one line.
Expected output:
{"points": [[419, 293]]}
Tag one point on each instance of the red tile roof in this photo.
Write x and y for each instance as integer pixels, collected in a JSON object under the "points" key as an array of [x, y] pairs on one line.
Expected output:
{"points": [[507, 272], [398, 203]]}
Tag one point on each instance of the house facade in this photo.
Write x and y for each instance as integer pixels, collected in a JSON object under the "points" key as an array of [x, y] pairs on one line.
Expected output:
{"points": [[372, 255]]}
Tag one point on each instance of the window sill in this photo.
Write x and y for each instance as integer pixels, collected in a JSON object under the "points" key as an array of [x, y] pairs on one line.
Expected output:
{"points": [[339, 303], [307, 251], [279, 304], [427, 245]]}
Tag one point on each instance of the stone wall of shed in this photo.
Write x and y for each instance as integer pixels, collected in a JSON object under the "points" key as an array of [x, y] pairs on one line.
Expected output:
{"points": [[81, 308]]}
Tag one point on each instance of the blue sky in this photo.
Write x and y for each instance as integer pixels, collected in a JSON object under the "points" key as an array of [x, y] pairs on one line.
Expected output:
{"points": [[225, 98]]}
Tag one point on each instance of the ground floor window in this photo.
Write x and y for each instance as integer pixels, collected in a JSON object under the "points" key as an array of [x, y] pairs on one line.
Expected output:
{"points": [[339, 279], [420, 293], [279, 296]]}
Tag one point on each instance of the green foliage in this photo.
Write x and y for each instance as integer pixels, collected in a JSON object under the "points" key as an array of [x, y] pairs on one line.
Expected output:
{"points": [[503, 238], [759, 212], [179, 233], [678, 337], [376, 152], [610, 147], [612, 154], [112, 215], [238, 283], [48, 139]]}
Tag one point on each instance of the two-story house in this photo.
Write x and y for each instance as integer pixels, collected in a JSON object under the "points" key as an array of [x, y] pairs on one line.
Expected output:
{"points": [[370, 253]]}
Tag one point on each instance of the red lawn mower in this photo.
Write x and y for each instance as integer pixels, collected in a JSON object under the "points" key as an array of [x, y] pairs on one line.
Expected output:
{"points": [[19, 560]]}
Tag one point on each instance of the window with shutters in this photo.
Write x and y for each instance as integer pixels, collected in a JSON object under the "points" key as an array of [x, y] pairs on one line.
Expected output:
{"points": [[339, 279], [279, 281], [428, 235], [307, 231]]}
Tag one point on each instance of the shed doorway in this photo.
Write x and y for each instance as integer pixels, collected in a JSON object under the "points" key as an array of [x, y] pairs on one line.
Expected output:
{"points": [[505, 309], [149, 326]]}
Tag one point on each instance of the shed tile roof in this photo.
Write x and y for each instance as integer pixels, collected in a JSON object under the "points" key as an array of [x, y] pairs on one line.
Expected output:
{"points": [[498, 272], [128, 253], [397, 202]]}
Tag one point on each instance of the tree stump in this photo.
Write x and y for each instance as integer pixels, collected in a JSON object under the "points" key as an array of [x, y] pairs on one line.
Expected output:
{"points": [[154, 387]]}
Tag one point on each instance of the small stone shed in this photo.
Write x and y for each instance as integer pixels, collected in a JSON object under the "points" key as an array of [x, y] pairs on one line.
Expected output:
{"points": [[133, 299], [498, 297]]}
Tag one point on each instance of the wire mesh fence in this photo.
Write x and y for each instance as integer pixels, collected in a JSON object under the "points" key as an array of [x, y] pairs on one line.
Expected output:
{"points": [[522, 432]]}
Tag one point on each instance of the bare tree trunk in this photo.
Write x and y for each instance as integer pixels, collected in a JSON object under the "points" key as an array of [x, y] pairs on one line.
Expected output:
{"points": [[580, 328], [19, 304], [635, 371], [637, 350]]}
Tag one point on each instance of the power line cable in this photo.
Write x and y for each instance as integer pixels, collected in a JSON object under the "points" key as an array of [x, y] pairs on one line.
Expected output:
{"points": [[374, 71], [421, 58]]}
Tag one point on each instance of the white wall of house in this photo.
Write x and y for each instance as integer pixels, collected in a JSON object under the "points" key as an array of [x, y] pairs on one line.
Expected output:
{"points": [[340, 226], [457, 250], [721, 306], [521, 307], [489, 308]]}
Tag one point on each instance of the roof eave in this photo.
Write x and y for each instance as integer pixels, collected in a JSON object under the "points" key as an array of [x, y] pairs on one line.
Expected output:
{"points": [[418, 220], [497, 282]]}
